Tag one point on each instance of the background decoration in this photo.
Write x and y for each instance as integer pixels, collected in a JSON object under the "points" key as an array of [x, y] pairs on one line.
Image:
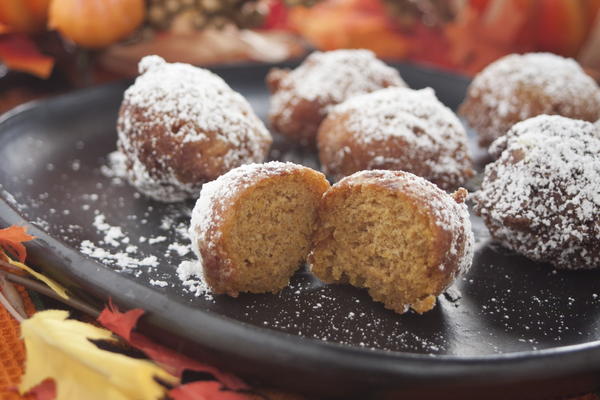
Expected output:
{"points": [[52, 357], [96, 24], [460, 35], [70, 353]]}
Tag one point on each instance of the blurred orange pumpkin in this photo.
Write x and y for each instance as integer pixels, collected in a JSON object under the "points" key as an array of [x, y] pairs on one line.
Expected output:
{"points": [[338, 24], [488, 29], [23, 16], [563, 25], [96, 23]]}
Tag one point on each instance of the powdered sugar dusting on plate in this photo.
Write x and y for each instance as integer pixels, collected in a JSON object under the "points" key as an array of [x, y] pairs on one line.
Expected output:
{"points": [[120, 259], [112, 234], [190, 273], [121, 250]]}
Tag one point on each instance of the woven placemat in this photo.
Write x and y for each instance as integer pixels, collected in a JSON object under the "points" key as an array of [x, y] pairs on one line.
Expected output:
{"points": [[12, 350]]}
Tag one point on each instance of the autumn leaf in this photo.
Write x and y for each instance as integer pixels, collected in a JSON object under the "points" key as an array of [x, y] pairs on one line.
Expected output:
{"points": [[56, 287], [11, 241], [61, 349], [175, 363], [46, 390], [120, 323], [20, 53], [205, 390]]}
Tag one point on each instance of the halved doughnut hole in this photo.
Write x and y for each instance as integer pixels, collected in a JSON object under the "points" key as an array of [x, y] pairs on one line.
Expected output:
{"points": [[380, 241], [272, 232]]}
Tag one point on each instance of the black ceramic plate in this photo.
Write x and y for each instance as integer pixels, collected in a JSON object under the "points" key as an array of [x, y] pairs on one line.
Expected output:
{"points": [[518, 327]]}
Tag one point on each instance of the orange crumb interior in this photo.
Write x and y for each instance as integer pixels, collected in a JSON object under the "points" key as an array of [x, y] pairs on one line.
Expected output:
{"points": [[272, 231], [378, 240]]}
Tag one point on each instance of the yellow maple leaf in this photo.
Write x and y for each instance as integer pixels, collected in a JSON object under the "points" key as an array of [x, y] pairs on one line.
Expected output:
{"points": [[56, 287], [60, 348]]}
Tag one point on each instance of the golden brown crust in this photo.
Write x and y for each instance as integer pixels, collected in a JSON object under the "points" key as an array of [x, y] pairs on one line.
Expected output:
{"points": [[445, 219], [540, 196], [395, 129], [192, 163], [180, 126], [484, 119], [517, 87], [301, 118], [302, 97], [274, 78]]}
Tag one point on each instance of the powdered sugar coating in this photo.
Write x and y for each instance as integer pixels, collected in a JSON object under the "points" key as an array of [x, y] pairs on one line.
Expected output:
{"points": [[323, 80], [541, 197], [218, 195], [517, 87], [180, 126], [398, 129], [336, 75], [536, 127]]}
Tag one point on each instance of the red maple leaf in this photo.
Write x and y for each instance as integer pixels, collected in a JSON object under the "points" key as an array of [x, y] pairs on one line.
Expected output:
{"points": [[123, 323], [11, 240], [205, 390], [45, 390], [20, 53]]}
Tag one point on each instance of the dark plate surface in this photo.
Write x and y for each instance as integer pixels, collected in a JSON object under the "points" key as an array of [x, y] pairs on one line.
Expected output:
{"points": [[516, 325]]}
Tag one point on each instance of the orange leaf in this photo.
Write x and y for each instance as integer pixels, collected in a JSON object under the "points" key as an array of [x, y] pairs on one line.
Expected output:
{"points": [[205, 390], [18, 52], [11, 240], [120, 323], [175, 363]]}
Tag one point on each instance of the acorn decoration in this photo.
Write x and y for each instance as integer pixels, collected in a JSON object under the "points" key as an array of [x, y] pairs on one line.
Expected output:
{"points": [[430, 12], [301, 3], [199, 14]]}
